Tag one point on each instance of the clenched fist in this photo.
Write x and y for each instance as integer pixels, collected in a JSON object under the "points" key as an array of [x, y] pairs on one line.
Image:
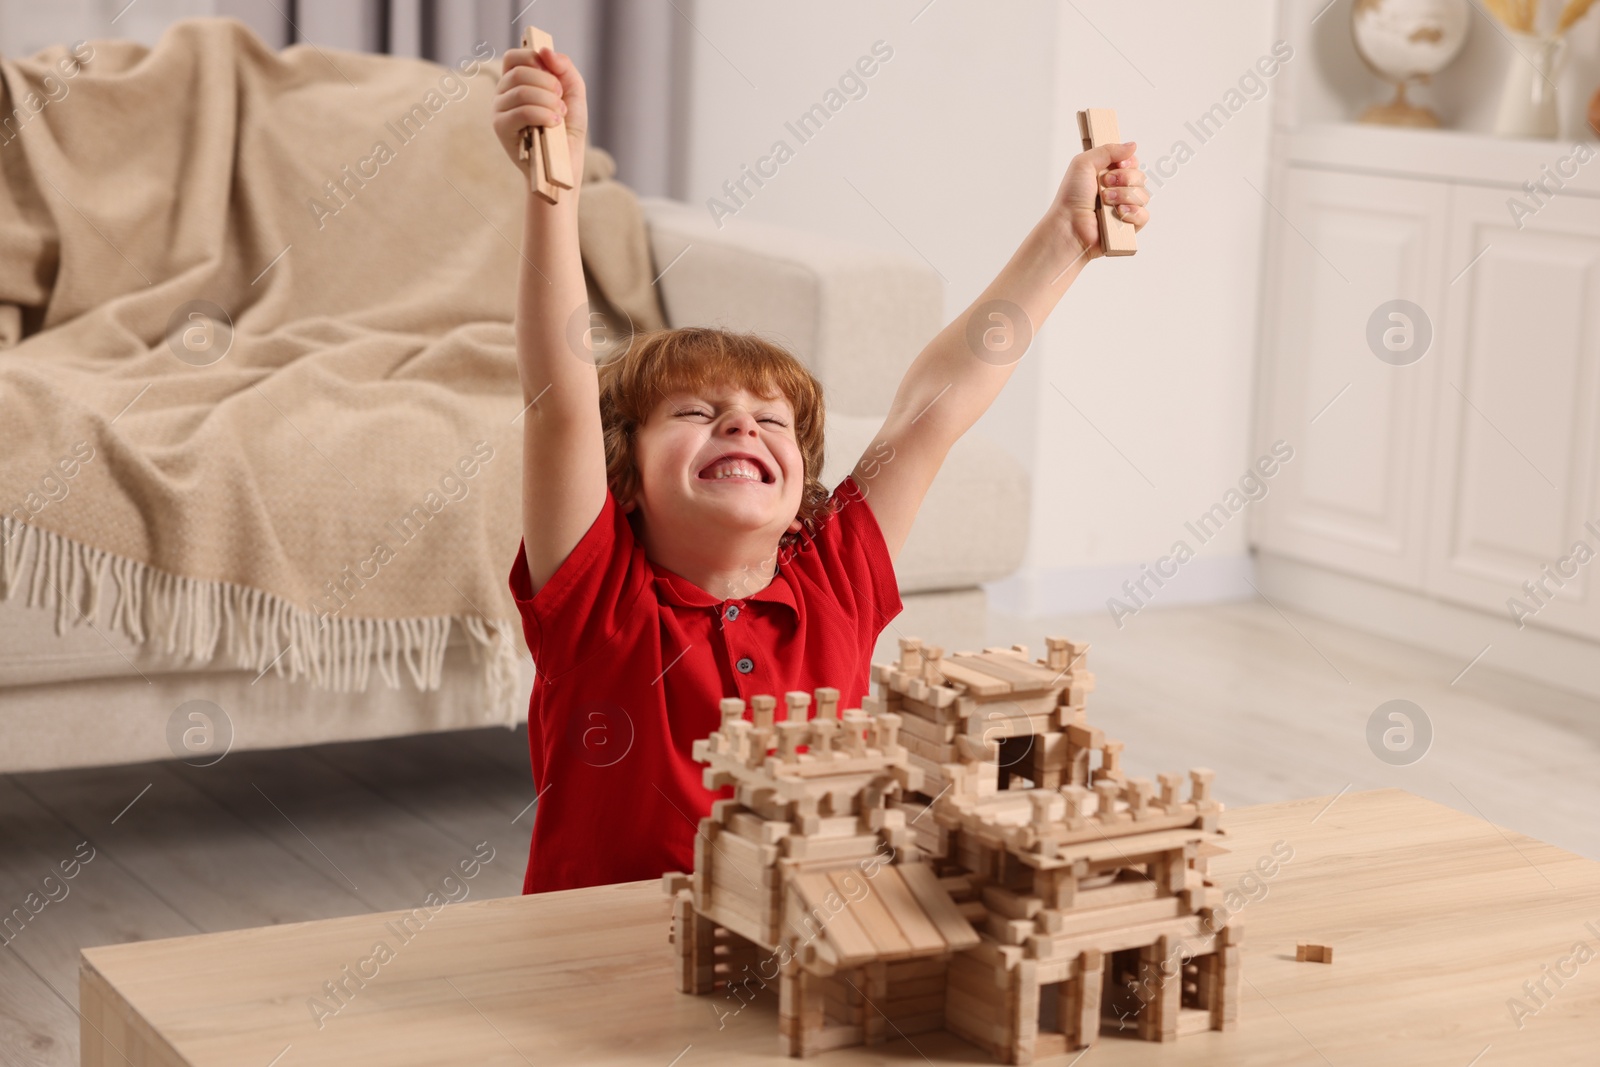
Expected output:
{"points": [[1112, 173], [541, 89]]}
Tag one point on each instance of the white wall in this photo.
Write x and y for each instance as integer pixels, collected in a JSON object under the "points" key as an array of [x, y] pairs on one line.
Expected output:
{"points": [[946, 158], [956, 150], [1156, 353]]}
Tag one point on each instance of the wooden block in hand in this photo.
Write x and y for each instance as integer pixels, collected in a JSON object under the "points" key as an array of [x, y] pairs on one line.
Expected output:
{"points": [[1098, 126], [551, 169]]}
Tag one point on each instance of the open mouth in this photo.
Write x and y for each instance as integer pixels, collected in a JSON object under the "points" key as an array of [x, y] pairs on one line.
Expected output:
{"points": [[737, 467]]}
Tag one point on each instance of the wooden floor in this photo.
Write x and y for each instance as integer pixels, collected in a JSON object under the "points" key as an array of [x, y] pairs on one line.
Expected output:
{"points": [[1277, 707]]}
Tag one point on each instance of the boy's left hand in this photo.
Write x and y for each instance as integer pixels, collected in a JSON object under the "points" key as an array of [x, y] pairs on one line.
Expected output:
{"points": [[1111, 172]]}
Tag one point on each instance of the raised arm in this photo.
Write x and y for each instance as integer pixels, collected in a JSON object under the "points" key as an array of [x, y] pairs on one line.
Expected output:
{"points": [[957, 376], [563, 456]]}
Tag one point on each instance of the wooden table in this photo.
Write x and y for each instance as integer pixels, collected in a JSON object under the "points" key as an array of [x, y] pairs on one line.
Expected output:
{"points": [[1437, 920]]}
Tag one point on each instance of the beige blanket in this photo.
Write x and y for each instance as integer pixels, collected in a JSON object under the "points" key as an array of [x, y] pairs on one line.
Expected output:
{"points": [[256, 356]]}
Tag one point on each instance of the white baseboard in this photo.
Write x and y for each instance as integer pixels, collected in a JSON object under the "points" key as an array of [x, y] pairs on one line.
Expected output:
{"points": [[1547, 656], [1082, 590]]}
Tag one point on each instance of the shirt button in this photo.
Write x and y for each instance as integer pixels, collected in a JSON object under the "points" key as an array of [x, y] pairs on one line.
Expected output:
{"points": [[745, 665], [732, 612]]}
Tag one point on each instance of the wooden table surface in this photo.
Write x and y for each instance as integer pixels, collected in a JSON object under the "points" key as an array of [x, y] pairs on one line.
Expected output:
{"points": [[1438, 919]]}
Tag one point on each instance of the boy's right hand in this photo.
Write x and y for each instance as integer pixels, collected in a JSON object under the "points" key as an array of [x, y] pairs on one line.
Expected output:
{"points": [[540, 90]]}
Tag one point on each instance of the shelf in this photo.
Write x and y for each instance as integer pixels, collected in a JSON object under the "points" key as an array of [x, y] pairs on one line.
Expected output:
{"points": [[1438, 155]]}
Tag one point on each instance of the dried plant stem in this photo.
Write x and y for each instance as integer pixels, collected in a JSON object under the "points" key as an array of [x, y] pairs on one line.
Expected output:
{"points": [[1570, 14]]}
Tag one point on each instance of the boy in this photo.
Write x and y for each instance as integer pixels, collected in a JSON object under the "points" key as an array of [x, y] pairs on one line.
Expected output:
{"points": [[677, 545]]}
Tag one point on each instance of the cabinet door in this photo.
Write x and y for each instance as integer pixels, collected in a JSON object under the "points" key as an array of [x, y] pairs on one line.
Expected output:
{"points": [[1515, 470], [1351, 498]]}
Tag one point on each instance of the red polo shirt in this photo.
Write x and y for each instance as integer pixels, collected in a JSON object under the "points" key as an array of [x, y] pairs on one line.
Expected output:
{"points": [[631, 660]]}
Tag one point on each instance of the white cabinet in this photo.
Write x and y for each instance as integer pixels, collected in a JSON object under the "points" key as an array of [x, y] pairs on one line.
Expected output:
{"points": [[1515, 442], [1353, 496], [1463, 475]]}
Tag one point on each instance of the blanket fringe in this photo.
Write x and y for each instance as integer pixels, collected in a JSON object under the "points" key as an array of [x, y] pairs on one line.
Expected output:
{"points": [[263, 632]]}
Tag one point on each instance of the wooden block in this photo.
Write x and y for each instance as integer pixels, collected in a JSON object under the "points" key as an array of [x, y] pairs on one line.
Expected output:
{"points": [[1098, 126], [1076, 922], [828, 1038], [972, 676], [1137, 792], [751, 857], [1225, 989], [931, 731], [813, 849], [557, 162], [938, 906], [1168, 999], [758, 889], [551, 169], [1008, 931], [929, 996], [836, 826], [933, 751], [912, 971], [969, 1016], [874, 1020], [1022, 1008], [918, 930], [840, 926], [982, 981], [1120, 891], [1009, 904], [1082, 1023], [868, 909], [827, 702], [1314, 953], [923, 1023], [1085, 736], [910, 1007], [752, 827]]}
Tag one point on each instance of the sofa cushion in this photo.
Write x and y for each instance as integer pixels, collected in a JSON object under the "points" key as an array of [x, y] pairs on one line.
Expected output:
{"points": [[974, 521], [855, 315]]}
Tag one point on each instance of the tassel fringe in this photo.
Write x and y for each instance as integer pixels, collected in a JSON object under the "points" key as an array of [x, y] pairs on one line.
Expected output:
{"points": [[263, 632]]}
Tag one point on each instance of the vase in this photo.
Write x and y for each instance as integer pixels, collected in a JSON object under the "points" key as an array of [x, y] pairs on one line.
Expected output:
{"points": [[1528, 105]]}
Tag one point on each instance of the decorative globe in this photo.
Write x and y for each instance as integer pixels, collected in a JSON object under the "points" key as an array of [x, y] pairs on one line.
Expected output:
{"points": [[1404, 40]]}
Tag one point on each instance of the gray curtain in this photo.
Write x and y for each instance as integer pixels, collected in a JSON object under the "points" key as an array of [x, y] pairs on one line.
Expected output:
{"points": [[632, 52]]}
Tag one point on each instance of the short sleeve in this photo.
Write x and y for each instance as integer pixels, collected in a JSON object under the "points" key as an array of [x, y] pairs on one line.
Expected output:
{"points": [[855, 558], [580, 609]]}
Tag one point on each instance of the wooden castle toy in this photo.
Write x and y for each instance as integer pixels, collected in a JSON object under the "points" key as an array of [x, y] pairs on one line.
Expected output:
{"points": [[962, 853]]}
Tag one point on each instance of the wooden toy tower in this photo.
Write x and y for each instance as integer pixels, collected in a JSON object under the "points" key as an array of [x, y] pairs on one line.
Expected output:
{"points": [[962, 853]]}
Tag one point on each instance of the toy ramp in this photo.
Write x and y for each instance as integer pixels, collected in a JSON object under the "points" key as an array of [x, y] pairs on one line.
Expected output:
{"points": [[898, 912]]}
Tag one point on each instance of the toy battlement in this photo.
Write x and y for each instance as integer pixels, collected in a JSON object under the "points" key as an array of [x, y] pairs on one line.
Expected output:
{"points": [[760, 752]]}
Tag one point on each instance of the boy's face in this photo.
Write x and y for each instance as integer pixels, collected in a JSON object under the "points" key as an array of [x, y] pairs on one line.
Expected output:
{"points": [[720, 458]]}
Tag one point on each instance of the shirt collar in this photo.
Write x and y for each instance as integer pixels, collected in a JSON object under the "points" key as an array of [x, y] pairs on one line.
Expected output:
{"points": [[678, 590]]}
